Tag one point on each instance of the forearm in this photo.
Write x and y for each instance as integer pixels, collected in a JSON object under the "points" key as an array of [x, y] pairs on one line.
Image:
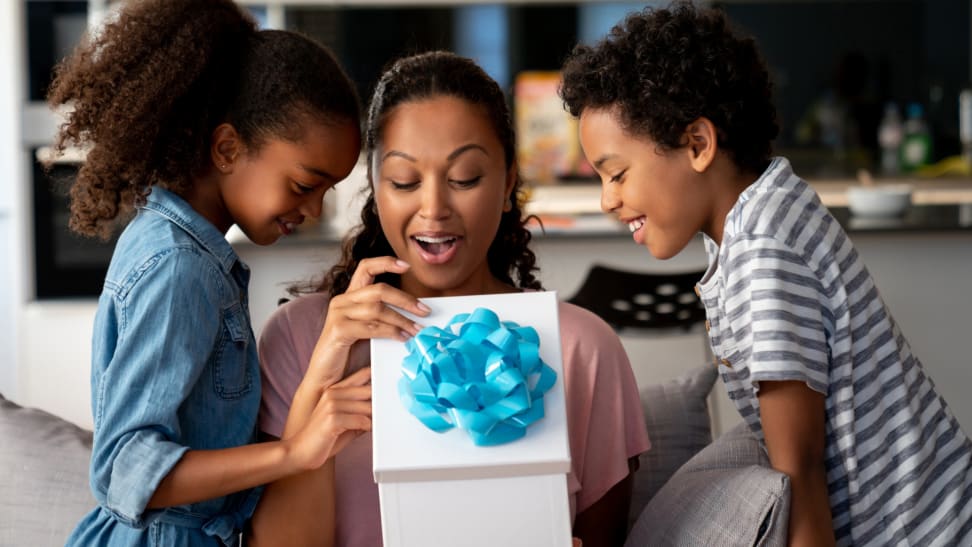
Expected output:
{"points": [[811, 523], [297, 510], [606, 521], [206, 474], [327, 366]]}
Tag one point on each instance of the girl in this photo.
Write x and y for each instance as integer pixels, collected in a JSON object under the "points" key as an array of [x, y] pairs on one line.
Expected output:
{"points": [[676, 117], [441, 219], [200, 122]]}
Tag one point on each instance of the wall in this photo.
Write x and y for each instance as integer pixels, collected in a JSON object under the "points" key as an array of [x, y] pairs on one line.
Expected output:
{"points": [[13, 248]]}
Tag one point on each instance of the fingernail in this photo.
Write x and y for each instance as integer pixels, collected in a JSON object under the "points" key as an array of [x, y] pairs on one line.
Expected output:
{"points": [[423, 307], [401, 263], [417, 327], [403, 336]]}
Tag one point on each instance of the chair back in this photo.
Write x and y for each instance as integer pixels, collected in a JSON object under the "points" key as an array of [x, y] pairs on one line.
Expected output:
{"points": [[641, 300]]}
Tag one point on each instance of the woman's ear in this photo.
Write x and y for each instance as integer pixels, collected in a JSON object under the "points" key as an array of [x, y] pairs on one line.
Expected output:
{"points": [[226, 147], [702, 140], [511, 175]]}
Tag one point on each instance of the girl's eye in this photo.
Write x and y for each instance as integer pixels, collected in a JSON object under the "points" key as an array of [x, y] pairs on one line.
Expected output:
{"points": [[466, 183], [406, 186], [619, 176], [303, 188]]}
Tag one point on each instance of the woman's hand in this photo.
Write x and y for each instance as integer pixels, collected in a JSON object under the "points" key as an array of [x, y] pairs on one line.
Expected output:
{"points": [[363, 312], [342, 413]]}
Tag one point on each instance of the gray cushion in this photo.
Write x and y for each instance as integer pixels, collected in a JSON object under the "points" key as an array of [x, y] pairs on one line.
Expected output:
{"points": [[677, 418], [44, 491], [726, 495]]}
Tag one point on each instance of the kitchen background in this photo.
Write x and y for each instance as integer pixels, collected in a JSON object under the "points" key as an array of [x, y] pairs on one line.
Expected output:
{"points": [[857, 83]]}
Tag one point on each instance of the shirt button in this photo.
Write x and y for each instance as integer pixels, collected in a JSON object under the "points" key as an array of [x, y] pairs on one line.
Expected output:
{"points": [[725, 362]]}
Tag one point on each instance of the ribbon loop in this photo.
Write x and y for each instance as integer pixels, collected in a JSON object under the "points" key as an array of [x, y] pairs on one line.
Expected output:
{"points": [[479, 374]]}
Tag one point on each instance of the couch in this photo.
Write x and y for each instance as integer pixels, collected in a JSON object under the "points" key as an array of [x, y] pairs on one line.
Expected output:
{"points": [[689, 489]]}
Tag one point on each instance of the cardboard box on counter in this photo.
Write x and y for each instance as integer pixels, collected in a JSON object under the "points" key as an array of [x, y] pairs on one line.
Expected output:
{"points": [[441, 488]]}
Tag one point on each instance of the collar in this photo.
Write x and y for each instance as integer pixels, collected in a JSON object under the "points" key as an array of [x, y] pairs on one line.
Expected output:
{"points": [[177, 210]]}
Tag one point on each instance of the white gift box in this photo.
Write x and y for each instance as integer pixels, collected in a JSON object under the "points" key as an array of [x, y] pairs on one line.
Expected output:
{"points": [[442, 489]]}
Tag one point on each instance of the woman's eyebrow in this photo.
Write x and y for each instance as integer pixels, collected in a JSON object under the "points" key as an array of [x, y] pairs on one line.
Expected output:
{"points": [[464, 148], [396, 153]]}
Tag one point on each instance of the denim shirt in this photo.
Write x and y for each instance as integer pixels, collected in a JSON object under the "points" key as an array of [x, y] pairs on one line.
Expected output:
{"points": [[174, 367]]}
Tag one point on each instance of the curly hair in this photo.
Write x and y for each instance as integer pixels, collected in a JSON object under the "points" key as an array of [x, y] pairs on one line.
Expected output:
{"points": [[416, 78], [146, 91], [662, 69]]}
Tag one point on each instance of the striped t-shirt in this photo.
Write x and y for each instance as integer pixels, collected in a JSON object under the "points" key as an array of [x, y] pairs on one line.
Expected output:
{"points": [[787, 298]]}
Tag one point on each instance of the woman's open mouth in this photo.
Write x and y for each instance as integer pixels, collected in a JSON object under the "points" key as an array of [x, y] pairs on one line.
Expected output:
{"points": [[437, 249]]}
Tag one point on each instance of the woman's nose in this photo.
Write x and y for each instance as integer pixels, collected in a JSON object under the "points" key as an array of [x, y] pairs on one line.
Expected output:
{"points": [[435, 200]]}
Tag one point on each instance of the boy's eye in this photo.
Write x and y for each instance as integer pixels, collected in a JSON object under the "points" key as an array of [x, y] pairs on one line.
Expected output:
{"points": [[619, 176], [407, 186]]}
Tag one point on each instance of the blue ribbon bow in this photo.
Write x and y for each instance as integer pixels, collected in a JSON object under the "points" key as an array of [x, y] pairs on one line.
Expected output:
{"points": [[476, 374]]}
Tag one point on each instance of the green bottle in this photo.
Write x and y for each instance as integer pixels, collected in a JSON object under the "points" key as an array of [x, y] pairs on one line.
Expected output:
{"points": [[916, 146]]}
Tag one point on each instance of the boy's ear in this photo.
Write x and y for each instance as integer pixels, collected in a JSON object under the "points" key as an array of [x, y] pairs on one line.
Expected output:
{"points": [[702, 143], [226, 146]]}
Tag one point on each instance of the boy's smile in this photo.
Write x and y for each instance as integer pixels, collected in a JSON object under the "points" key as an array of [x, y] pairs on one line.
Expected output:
{"points": [[657, 193]]}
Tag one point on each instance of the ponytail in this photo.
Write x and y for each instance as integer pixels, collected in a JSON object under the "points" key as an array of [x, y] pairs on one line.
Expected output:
{"points": [[148, 89]]}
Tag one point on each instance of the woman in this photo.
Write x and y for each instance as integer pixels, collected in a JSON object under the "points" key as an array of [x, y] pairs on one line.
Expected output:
{"points": [[441, 219]]}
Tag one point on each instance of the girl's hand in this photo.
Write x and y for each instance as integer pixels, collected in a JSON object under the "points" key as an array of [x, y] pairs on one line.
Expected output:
{"points": [[361, 313], [342, 413]]}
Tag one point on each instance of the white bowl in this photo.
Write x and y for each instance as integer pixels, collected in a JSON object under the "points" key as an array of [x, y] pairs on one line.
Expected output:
{"points": [[879, 201]]}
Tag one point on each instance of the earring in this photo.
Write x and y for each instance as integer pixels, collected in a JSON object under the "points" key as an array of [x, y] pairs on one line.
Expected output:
{"points": [[508, 206]]}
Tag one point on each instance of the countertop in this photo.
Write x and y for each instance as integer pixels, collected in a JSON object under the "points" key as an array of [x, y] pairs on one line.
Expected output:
{"points": [[938, 205], [573, 211]]}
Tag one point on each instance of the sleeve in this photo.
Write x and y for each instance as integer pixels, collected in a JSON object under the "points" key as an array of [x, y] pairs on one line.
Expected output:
{"points": [[285, 347], [607, 426], [778, 312], [157, 359]]}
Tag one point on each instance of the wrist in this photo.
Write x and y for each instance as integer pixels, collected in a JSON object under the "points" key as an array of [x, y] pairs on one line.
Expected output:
{"points": [[292, 459]]}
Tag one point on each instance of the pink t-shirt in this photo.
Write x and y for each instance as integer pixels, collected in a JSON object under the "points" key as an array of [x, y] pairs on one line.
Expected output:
{"points": [[604, 417]]}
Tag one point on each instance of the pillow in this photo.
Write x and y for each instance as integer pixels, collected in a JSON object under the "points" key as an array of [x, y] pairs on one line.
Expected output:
{"points": [[679, 426], [44, 492], [726, 495]]}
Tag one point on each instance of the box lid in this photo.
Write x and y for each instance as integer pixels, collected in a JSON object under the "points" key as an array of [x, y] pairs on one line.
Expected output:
{"points": [[404, 449]]}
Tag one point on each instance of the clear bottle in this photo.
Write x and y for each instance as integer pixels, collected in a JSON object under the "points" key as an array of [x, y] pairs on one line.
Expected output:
{"points": [[890, 136], [965, 124], [916, 146]]}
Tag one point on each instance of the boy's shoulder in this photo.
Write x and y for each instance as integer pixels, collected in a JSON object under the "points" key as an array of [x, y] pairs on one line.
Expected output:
{"points": [[779, 206]]}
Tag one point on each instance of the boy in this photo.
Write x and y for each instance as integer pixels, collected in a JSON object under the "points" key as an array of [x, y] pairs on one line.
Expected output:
{"points": [[676, 117]]}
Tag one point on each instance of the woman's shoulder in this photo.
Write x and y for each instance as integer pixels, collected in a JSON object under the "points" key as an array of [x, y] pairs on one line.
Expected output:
{"points": [[303, 312], [580, 326]]}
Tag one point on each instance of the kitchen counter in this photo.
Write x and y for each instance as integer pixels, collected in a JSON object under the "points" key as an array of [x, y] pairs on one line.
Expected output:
{"points": [[573, 211]]}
